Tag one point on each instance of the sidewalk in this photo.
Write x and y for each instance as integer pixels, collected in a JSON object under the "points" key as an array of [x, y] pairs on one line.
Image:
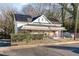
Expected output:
{"points": [[34, 45]]}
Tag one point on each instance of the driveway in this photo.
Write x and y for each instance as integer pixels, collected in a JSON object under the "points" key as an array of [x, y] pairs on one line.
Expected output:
{"points": [[53, 50]]}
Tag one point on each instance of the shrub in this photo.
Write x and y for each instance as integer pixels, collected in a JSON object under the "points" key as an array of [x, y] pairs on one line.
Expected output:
{"points": [[37, 36], [4, 35], [25, 37]]}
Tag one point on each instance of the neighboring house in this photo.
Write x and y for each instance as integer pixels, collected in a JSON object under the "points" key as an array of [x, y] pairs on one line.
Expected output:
{"points": [[39, 24]]}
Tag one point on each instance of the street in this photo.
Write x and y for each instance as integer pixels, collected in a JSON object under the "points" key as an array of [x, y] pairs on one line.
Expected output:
{"points": [[53, 50]]}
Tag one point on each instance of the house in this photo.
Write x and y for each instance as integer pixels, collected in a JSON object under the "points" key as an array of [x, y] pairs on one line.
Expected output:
{"points": [[39, 24]]}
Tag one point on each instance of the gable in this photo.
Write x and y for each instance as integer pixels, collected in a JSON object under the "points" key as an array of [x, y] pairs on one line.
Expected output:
{"points": [[42, 19]]}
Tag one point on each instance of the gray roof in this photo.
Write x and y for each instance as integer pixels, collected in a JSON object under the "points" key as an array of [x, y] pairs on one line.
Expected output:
{"points": [[21, 17]]}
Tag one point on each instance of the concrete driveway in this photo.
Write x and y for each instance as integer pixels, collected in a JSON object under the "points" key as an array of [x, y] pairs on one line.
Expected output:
{"points": [[52, 50]]}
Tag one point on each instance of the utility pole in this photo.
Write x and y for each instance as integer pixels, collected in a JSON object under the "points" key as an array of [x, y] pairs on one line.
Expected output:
{"points": [[76, 20]]}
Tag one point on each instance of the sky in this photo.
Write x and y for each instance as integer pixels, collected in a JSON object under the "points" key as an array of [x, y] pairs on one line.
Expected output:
{"points": [[14, 5], [19, 5]]}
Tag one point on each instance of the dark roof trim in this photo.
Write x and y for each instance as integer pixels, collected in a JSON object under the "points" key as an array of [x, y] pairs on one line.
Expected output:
{"points": [[35, 17]]}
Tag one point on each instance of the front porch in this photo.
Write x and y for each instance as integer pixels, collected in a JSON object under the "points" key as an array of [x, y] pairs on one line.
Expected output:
{"points": [[52, 34]]}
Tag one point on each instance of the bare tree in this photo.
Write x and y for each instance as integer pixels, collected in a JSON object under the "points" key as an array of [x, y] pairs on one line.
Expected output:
{"points": [[29, 10], [8, 22]]}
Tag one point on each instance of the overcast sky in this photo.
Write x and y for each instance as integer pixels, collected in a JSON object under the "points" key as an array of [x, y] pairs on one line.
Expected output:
{"points": [[13, 5]]}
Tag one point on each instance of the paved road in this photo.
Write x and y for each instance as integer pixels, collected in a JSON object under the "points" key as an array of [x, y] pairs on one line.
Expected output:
{"points": [[53, 50]]}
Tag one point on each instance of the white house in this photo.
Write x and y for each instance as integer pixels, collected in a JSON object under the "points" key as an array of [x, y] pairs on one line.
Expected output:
{"points": [[39, 24]]}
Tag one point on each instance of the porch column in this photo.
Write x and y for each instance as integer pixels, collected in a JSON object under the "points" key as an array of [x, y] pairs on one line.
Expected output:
{"points": [[59, 34], [62, 34]]}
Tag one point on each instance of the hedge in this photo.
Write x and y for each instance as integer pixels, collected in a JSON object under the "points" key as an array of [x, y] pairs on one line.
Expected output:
{"points": [[4, 35], [26, 37]]}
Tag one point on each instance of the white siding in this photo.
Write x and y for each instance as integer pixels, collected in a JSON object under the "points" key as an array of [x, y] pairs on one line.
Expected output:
{"points": [[20, 24]]}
